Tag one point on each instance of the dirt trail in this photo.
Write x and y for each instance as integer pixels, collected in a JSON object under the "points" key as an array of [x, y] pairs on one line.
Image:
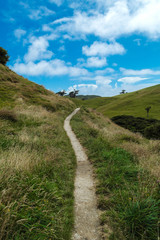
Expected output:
{"points": [[86, 213]]}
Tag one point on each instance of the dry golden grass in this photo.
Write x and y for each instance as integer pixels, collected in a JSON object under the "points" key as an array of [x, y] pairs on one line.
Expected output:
{"points": [[19, 159], [33, 111], [37, 166], [146, 151], [25, 158]]}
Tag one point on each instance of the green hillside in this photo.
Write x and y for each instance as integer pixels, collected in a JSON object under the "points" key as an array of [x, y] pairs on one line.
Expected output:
{"points": [[129, 104], [37, 163], [15, 89], [86, 97]]}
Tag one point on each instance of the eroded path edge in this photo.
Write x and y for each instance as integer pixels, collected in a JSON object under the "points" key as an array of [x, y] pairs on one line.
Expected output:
{"points": [[86, 225]]}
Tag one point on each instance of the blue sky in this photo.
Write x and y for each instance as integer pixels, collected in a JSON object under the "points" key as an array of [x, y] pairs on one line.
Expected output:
{"points": [[97, 46]]}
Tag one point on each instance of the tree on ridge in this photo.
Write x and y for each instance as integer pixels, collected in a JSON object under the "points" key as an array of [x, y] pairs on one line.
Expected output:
{"points": [[61, 93], [73, 93], [4, 57]]}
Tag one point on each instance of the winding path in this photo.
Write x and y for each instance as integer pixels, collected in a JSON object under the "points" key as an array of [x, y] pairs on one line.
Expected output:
{"points": [[86, 213]]}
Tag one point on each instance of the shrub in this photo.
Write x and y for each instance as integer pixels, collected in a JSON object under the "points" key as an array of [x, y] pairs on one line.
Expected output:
{"points": [[153, 131], [4, 57], [135, 124], [8, 115]]}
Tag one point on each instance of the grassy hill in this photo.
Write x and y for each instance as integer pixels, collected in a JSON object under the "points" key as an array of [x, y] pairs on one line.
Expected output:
{"points": [[15, 89], [129, 104], [126, 167], [37, 166], [37, 163]]}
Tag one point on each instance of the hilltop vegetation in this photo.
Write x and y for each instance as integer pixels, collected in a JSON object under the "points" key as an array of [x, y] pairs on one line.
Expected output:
{"points": [[37, 163], [133, 104]]}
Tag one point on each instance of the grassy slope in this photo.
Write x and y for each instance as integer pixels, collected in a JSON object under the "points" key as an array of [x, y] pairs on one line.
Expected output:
{"points": [[37, 163], [129, 104], [126, 168]]}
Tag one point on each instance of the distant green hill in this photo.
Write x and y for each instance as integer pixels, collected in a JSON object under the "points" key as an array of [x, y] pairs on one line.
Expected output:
{"points": [[129, 104], [86, 97]]}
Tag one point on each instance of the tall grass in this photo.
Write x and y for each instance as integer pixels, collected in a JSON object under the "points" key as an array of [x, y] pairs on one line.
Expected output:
{"points": [[127, 192], [37, 167]]}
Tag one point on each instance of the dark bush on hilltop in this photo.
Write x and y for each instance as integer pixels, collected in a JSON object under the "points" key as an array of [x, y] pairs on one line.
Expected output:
{"points": [[147, 127], [4, 57], [8, 115], [153, 131]]}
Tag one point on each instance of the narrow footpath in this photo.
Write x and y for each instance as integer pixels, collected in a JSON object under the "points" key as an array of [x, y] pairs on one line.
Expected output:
{"points": [[86, 214]]}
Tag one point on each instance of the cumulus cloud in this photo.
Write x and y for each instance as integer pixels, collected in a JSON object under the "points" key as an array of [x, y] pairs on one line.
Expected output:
{"points": [[38, 50], [141, 72], [19, 33], [76, 71], [96, 62], [54, 67], [103, 49], [121, 17], [131, 79], [48, 68], [102, 80]]}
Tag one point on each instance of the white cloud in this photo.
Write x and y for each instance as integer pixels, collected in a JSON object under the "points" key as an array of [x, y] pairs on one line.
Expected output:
{"points": [[62, 20], [38, 50], [107, 90], [105, 71], [83, 88], [109, 25], [54, 67], [76, 71], [103, 49], [41, 12], [57, 2], [131, 79], [19, 33], [50, 68], [96, 62], [141, 72], [101, 80], [120, 17]]}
